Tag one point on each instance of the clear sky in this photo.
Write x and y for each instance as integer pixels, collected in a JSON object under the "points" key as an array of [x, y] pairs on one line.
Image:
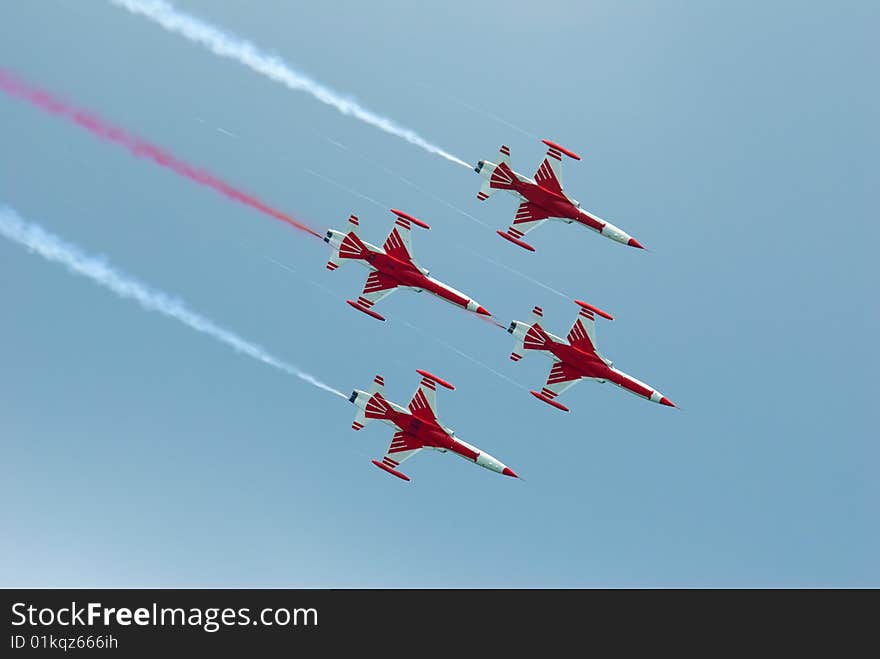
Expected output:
{"points": [[737, 141]]}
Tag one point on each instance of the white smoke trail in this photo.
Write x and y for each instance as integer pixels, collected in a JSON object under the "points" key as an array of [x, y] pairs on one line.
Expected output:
{"points": [[400, 177], [224, 44], [52, 248]]}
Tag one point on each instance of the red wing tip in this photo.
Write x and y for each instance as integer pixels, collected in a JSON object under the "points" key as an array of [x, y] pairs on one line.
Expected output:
{"points": [[407, 216], [369, 312], [667, 402], [391, 471], [595, 309], [509, 472], [635, 243], [549, 401], [515, 241], [554, 145], [433, 377], [482, 311]]}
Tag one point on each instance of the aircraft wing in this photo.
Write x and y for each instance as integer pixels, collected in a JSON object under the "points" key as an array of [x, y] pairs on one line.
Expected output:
{"points": [[399, 241], [583, 333], [377, 286], [424, 400], [528, 216], [403, 447], [549, 174], [561, 377]]}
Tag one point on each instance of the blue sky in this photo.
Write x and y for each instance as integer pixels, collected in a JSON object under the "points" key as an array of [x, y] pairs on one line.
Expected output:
{"points": [[737, 142]]}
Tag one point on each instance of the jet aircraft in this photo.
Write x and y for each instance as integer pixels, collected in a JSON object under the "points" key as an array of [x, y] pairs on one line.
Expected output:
{"points": [[391, 266], [542, 197], [574, 358], [416, 427]]}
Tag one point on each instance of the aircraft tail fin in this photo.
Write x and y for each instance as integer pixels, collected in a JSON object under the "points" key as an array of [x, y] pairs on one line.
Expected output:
{"points": [[370, 404], [504, 154], [496, 177], [528, 336], [485, 191], [345, 245]]}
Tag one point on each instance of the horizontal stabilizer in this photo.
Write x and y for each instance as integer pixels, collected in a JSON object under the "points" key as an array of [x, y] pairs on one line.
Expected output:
{"points": [[485, 191], [377, 387]]}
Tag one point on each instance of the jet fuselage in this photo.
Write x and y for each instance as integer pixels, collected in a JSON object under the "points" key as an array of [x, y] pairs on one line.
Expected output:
{"points": [[407, 274], [591, 365]]}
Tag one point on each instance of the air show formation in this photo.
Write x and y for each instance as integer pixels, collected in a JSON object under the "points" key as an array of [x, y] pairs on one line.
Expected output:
{"points": [[390, 267]]}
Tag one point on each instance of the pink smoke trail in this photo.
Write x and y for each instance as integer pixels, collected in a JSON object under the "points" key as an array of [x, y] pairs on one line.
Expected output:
{"points": [[39, 98]]}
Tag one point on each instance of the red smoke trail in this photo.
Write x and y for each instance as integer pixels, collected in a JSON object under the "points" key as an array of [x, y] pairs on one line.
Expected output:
{"points": [[97, 127]]}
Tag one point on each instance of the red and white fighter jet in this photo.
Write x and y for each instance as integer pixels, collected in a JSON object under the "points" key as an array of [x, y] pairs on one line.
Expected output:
{"points": [[416, 427], [392, 266], [574, 359], [542, 197]]}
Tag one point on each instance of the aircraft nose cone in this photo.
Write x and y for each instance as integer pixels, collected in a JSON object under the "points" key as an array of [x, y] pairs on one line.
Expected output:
{"points": [[509, 472], [635, 243], [482, 311], [667, 402]]}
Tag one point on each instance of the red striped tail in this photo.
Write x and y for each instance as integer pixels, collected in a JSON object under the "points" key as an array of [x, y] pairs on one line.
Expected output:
{"points": [[503, 177], [377, 407], [536, 338], [352, 247]]}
